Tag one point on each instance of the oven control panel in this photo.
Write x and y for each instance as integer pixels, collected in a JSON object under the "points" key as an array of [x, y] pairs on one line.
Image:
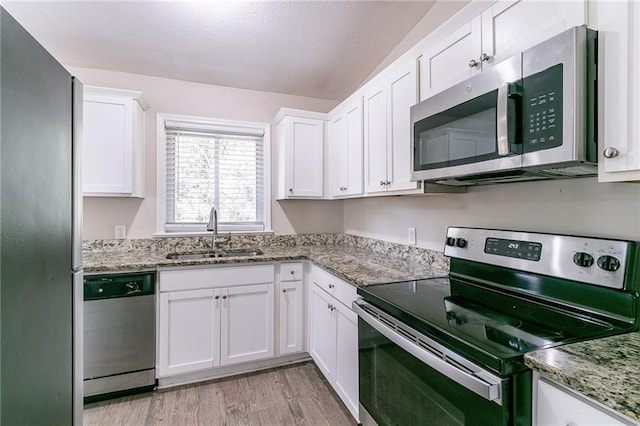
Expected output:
{"points": [[588, 260]]}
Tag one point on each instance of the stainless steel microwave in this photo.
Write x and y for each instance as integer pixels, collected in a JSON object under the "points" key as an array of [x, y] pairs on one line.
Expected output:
{"points": [[530, 117]]}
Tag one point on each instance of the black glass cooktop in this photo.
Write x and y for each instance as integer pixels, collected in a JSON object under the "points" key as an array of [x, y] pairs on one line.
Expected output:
{"points": [[490, 327]]}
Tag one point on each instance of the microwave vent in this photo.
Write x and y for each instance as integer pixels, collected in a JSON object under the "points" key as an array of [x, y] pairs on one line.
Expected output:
{"points": [[573, 171]]}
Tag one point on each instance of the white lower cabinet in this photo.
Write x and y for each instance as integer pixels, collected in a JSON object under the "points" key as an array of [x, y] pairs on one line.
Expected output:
{"points": [[246, 323], [556, 405], [334, 335], [189, 332], [291, 309], [203, 323]]}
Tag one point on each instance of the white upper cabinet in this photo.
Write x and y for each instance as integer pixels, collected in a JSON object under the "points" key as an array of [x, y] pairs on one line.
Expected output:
{"points": [[618, 25], [501, 31], [447, 62], [509, 27], [387, 129], [300, 153], [346, 148], [113, 143]]}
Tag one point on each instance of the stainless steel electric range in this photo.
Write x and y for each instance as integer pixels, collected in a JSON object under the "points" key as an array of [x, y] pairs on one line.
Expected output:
{"points": [[450, 350]]}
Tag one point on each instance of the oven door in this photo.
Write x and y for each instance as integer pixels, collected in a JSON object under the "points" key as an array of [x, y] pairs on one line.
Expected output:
{"points": [[406, 378], [473, 127]]}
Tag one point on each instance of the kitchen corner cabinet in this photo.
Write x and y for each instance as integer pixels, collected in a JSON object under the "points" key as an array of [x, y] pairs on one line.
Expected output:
{"points": [[291, 309], [346, 148], [214, 317], [300, 145], [501, 31], [618, 25], [113, 143], [387, 129], [333, 332], [557, 405]]}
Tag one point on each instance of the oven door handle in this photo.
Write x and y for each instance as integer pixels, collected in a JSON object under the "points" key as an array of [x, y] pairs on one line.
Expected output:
{"points": [[475, 379]]}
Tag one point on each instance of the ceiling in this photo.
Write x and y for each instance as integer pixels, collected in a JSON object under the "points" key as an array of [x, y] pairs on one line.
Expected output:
{"points": [[320, 49]]}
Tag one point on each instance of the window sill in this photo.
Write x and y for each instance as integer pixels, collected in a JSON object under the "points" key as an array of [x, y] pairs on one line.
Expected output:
{"points": [[207, 234]]}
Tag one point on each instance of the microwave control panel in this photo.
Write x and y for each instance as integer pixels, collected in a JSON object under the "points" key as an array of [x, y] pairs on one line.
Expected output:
{"points": [[542, 109]]}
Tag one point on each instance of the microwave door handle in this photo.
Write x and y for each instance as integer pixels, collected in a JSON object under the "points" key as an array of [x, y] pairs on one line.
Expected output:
{"points": [[502, 128]]}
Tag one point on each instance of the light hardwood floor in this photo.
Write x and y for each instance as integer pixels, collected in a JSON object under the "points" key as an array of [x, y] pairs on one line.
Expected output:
{"points": [[291, 395]]}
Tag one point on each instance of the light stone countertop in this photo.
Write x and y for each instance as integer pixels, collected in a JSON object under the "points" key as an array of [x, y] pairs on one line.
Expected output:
{"points": [[606, 370], [359, 266]]}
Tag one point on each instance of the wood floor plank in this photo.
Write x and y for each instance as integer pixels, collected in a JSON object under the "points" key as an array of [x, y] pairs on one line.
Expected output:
{"points": [[292, 395]]}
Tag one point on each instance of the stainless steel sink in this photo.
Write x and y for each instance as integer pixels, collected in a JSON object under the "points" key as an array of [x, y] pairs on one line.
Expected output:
{"points": [[214, 254]]}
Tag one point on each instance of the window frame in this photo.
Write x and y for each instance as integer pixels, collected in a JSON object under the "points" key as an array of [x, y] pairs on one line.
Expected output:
{"points": [[161, 194]]}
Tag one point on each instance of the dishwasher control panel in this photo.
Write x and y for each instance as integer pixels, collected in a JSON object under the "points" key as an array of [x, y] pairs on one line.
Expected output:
{"points": [[118, 285]]}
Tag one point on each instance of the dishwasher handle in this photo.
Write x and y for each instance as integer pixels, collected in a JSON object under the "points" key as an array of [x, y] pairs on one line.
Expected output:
{"points": [[111, 286]]}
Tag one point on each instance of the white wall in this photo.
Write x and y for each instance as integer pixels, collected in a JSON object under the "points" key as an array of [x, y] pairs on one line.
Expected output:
{"points": [[186, 98], [580, 207]]}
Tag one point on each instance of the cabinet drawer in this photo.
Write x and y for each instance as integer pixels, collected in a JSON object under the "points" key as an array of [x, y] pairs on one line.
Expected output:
{"points": [[291, 272], [191, 279], [343, 291]]}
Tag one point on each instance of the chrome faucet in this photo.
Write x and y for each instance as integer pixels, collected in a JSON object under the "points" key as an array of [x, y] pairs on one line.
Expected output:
{"points": [[213, 226]]}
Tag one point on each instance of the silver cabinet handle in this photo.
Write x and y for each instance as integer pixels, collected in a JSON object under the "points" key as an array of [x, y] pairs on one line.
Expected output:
{"points": [[471, 377], [331, 286], [610, 152], [501, 120], [473, 63], [484, 57]]}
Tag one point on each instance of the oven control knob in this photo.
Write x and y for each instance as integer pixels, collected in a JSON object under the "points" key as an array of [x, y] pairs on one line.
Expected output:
{"points": [[450, 241], [583, 259], [608, 263], [461, 242]]}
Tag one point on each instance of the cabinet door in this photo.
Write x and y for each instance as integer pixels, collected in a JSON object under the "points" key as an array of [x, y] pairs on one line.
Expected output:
{"points": [[107, 152], [291, 319], [447, 62], [346, 371], [339, 155], [375, 135], [556, 407], [403, 95], [618, 24], [189, 331], [322, 344], [305, 146], [354, 150], [246, 323], [508, 27]]}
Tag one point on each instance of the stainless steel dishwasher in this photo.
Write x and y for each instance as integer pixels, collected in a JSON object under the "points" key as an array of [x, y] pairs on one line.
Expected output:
{"points": [[119, 334]]}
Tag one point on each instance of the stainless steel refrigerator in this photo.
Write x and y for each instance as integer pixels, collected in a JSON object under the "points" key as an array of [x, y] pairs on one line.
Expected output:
{"points": [[40, 234]]}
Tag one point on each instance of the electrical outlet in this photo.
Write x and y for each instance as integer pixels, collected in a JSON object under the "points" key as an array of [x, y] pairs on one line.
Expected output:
{"points": [[121, 232], [412, 236]]}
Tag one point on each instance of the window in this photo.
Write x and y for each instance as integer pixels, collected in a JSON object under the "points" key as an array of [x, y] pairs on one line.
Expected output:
{"points": [[212, 163]]}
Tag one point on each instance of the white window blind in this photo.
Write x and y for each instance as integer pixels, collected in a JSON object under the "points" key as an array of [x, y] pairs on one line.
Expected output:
{"points": [[221, 166]]}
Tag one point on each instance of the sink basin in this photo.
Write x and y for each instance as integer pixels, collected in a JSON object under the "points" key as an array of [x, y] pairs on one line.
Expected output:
{"points": [[214, 254]]}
